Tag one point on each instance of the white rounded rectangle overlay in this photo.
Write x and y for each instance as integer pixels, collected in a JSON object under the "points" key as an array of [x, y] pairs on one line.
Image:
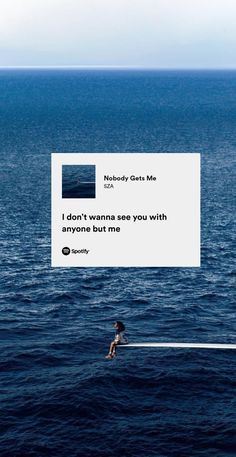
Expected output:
{"points": [[142, 210]]}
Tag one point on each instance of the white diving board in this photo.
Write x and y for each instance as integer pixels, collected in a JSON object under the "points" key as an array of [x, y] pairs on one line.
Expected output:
{"points": [[180, 345]]}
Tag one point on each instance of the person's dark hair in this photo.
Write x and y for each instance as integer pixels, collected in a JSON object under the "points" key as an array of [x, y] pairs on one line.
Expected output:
{"points": [[121, 326]]}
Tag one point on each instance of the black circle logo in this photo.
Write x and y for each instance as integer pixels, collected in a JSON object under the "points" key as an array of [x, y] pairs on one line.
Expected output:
{"points": [[66, 251]]}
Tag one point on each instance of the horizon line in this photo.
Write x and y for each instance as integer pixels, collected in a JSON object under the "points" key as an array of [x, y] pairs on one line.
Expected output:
{"points": [[108, 67]]}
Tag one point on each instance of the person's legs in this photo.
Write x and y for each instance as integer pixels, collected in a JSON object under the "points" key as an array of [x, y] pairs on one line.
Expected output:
{"points": [[112, 350]]}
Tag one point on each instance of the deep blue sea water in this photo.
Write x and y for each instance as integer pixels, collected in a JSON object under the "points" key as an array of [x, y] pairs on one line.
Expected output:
{"points": [[59, 396]]}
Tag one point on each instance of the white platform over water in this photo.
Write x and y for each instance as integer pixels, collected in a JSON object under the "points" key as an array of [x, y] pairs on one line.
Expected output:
{"points": [[180, 345]]}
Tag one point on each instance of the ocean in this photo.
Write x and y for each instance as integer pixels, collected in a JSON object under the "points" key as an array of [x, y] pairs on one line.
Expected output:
{"points": [[59, 395]]}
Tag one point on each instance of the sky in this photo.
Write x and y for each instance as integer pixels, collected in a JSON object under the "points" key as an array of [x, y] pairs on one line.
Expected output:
{"points": [[139, 33]]}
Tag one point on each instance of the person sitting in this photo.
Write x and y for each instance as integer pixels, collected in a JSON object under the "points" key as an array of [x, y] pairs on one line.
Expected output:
{"points": [[119, 339]]}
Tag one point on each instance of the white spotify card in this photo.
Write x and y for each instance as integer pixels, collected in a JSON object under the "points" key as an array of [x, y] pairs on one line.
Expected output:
{"points": [[125, 209]]}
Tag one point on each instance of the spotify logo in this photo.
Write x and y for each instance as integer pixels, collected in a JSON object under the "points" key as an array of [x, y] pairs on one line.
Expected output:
{"points": [[66, 251]]}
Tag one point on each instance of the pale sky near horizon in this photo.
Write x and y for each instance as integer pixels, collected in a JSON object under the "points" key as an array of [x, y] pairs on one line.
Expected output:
{"points": [[143, 33]]}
